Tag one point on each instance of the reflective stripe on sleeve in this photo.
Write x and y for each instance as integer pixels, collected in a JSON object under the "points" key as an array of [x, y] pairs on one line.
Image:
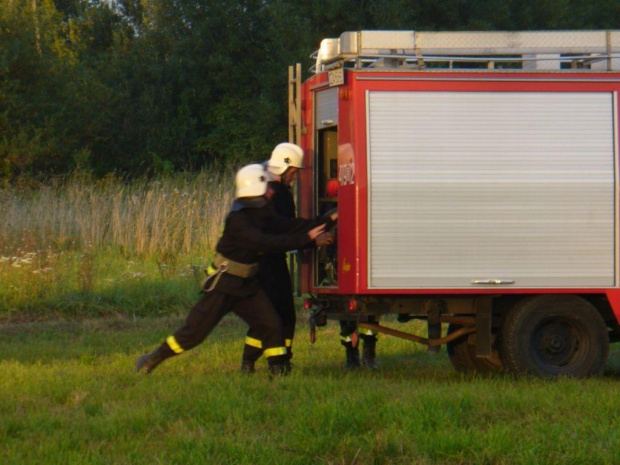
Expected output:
{"points": [[250, 341], [288, 342], [174, 345], [274, 351]]}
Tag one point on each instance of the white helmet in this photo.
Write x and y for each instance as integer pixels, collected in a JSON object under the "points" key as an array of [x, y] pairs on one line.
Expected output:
{"points": [[251, 181], [284, 156]]}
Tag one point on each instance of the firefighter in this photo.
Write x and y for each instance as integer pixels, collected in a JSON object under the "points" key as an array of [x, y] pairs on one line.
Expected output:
{"points": [[232, 285], [284, 164]]}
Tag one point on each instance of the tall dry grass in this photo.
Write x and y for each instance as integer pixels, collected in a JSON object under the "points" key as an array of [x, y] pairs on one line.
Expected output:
{"points": [[78, 246], [149, 218]]}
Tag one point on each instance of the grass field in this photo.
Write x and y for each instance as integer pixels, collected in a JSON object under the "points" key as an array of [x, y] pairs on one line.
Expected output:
{"points": [[69, 395], [94, 273]]}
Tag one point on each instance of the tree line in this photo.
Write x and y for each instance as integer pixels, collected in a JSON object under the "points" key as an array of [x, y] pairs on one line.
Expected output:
{"points": [[152, 86]]}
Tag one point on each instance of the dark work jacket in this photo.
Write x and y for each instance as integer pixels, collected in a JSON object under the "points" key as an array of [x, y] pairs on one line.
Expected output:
{"points": [[283, 206], [282, 201], [273, 272], [252, 229]]}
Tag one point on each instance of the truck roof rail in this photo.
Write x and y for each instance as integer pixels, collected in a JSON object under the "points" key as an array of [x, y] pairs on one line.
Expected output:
{"points": [[525, 50]]}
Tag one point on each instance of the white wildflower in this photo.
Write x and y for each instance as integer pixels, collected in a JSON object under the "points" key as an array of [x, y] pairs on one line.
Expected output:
{"points": [[137, 275]]}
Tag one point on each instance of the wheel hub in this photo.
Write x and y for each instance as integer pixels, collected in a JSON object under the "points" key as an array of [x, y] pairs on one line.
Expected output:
{"points": [[556, 344]]}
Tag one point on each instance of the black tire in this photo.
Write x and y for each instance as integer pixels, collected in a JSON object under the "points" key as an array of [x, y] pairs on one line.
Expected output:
{"points": [[462, 353], [554, 335]]}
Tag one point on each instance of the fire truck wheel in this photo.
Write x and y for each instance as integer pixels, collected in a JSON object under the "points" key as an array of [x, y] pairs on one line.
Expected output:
{"points": [[462, 353], [554, 335]]}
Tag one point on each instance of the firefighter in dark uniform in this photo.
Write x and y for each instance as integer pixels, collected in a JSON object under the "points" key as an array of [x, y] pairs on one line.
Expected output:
{"points": [[285, 162], [250, 229]]}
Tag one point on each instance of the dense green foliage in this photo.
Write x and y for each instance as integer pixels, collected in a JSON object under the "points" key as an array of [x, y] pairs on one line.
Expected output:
{"points": [[69, 395], [143, 86]]}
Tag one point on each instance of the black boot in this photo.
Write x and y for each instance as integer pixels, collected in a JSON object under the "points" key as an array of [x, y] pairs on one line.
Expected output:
{"points": [[148, 362], [279, 366], [247, 367], [353, 356], [279, 369], [368, 353]]}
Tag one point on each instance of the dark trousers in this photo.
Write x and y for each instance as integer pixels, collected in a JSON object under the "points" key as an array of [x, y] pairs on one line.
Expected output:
{"points": [[347, 328], [275, 280], [255, 310]]}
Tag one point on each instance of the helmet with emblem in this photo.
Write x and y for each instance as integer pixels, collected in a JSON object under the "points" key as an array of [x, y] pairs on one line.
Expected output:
{"points": [[251, 181], [285, 156]]}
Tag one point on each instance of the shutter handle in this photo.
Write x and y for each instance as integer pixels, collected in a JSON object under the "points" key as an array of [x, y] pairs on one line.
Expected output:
{"points": [[495, 282]]}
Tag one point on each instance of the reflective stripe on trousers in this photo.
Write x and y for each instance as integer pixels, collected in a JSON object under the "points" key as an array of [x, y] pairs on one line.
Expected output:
{"points": [[174, 345]]}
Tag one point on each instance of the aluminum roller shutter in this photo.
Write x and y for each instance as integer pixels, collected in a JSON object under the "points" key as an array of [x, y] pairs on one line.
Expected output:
{"points": [[477, 186], [327, 108]]}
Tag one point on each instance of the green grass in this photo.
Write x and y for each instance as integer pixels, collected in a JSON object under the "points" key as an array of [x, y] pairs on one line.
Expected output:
{"points": [[103, 284], [133, 253], [75, 250], [69, 395]]}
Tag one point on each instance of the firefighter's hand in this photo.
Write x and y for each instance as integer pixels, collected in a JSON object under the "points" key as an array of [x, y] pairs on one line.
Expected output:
{"points": [[316, 232], [324, 239], [332, 214]]}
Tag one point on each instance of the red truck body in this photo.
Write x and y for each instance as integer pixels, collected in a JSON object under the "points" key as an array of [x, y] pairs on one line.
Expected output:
{"points": [[464, 193]]}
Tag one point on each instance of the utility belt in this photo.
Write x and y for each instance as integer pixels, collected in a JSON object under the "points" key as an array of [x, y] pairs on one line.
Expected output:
{"points": [[226, 265], [221, 265]]}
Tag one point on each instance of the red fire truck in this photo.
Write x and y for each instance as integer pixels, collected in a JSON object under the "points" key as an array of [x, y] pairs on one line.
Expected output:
{"points": [[476, 179]]}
